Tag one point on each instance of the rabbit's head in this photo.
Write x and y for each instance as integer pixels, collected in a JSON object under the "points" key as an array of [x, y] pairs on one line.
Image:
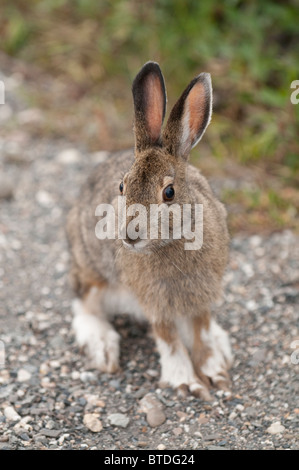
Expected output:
{"points": [[158, 174]]}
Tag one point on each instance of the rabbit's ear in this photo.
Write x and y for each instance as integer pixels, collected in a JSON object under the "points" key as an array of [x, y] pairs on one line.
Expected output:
{"points": [[149, 96], [189, 117]]}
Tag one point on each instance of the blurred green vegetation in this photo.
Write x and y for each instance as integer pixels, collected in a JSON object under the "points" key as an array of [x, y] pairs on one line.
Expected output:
{"points": [[251, 49]]}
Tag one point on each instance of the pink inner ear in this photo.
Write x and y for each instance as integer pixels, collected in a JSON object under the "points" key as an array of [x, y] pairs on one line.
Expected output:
{"points": [[154, 107], [197, 106]]}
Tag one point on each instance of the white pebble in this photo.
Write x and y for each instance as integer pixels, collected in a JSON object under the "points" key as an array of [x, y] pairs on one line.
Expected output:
{"points": [[44, 368], [23, 424], [255, 240], [251, 305], [87, 376], [54, 364], [11, 414], [94, 400], [240, 407], [247, 269], [23, 375], [152, 372], [161, 447], [276, 428], [44, 198], [232, 416], [75, 375]]}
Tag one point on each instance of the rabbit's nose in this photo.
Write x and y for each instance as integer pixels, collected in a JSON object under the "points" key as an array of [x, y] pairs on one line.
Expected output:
{"points": [[130, 240]]}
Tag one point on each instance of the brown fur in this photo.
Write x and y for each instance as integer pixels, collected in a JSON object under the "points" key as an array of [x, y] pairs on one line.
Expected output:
{"points": [[200, 351], [168, 333]]}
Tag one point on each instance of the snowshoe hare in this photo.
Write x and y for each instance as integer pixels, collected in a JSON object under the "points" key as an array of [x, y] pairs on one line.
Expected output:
{"points": [[154, 277]]}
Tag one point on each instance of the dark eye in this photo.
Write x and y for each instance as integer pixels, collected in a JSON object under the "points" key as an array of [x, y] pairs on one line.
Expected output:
{"points": [[168, 193], [121, 187]]}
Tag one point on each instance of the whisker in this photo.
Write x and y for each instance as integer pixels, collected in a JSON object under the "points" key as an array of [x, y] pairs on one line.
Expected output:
{"points": [[117, 254]]}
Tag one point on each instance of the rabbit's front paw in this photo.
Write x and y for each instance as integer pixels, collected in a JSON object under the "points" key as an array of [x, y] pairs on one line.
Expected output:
{"points": [[98, 337], [219, 357], [177, 371], [197, 389], [104, 354]]}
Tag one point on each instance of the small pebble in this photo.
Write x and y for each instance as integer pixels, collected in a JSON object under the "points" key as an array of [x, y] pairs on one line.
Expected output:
{"points": [[119, 419], [51, 424], [239, 407], [93, 400], [276, 428], [44, 198], [155, 417], [232, 416], [142, 443], [51, 432], [11, 414], [23, 375], [177, 431], [92, 422], [54, 364], [75, 375], [87, 377], [161, 447], [148, 402]]}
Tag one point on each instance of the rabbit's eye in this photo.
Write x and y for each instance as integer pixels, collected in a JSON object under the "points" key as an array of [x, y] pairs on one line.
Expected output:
{"points": [[168, 193], [121, 187]]}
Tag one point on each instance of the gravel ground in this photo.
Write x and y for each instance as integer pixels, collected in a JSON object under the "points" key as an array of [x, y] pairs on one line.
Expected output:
{"points": [[49, 396]]}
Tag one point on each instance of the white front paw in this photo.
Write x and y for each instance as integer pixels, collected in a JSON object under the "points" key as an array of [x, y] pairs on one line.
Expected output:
{"points": [[177, 370], [220, 357], [98, 337]]}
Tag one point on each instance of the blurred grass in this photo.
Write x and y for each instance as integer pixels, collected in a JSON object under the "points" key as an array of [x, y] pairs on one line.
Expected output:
{"points": [[251, 49]]}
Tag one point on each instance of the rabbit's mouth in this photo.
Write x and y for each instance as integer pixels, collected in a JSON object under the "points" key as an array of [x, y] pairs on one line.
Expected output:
{"points": [[138, 246]]}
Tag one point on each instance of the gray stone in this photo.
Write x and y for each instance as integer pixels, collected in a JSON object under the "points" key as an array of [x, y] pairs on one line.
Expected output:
{"points": [[119, 419]]}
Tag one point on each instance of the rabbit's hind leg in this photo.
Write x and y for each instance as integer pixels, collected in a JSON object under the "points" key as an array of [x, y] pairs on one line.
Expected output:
{"points": [[94, 332]]}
